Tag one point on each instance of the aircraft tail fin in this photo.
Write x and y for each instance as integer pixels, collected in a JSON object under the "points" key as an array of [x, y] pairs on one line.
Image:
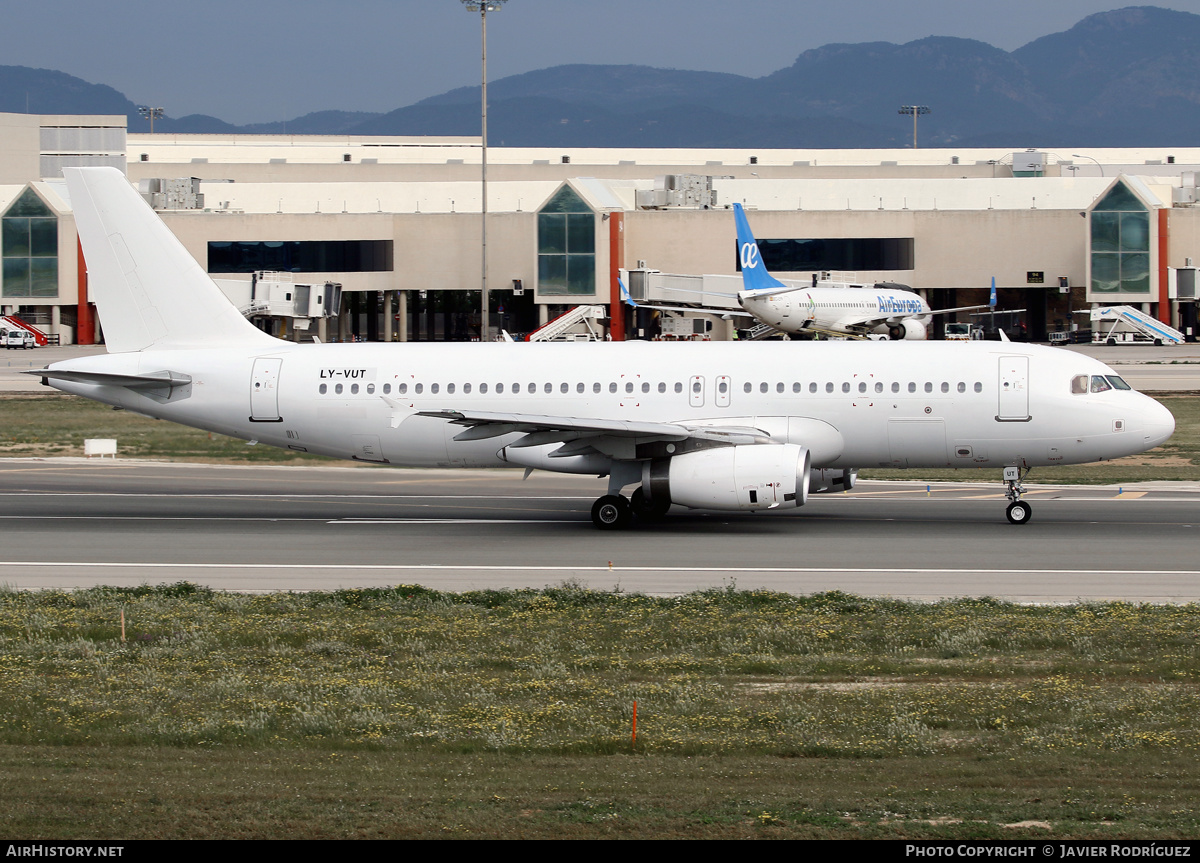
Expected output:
{"points": [[992, 297], [149, 290], [755, 277]]}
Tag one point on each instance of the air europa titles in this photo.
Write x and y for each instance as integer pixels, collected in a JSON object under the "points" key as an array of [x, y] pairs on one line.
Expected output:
{"points": [[893, 305]]}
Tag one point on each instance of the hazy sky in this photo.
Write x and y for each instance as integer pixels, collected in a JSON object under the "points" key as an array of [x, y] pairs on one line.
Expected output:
{"points": [[261, 60]]}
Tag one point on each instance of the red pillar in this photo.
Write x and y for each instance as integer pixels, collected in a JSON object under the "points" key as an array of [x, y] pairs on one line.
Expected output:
{"points": [[85, 326], [1164, 248], [616, 260]]}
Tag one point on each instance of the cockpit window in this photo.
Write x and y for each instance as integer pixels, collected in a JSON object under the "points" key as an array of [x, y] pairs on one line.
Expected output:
{"points": [[1079, 384], [1099, 384], [1118, 382]]}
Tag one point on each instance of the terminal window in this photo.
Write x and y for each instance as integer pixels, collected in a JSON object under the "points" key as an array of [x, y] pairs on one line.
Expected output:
{"points": [[566, 246], [29, 248], [844, 253], [304, 256], [1120, 244]]}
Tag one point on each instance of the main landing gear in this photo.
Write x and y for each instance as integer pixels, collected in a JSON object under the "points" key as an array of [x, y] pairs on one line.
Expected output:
{"points": [[614, 512], [1018, 511]]}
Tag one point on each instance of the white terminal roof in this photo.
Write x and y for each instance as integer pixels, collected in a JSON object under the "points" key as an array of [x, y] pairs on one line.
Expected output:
{"points": [[1043, 193], [1006, 193], [318, 149]]}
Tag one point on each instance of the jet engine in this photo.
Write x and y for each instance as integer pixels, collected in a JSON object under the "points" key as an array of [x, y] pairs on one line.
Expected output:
{"points": [[750, 477], [831, 480], [909, 329]]}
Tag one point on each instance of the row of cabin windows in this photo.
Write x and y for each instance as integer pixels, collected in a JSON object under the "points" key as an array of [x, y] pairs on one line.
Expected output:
{"points": [[630, 387], [863, 387]]}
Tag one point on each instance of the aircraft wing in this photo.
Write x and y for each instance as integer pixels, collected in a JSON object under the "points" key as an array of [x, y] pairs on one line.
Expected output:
{"points": [[616, 438], [959, 309]]}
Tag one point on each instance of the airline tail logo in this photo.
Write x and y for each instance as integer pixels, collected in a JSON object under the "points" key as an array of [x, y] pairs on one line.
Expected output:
{"points": [[754, 276], [749, 256]]}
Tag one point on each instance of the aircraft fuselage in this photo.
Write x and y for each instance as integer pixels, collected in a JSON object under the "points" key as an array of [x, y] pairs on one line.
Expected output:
{"points": [[852, 404]]}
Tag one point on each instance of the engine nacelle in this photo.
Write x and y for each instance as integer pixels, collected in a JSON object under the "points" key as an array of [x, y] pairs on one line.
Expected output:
{"points": [[909, 329], [831, 480], [751, 477]]}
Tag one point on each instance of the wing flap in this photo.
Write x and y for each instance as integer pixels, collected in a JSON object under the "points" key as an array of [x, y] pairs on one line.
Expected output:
{"points": [[539, 429]]}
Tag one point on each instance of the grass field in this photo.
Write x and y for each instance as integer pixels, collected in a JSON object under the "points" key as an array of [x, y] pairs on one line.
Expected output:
{"points": [[56, 425], [405, 712]]}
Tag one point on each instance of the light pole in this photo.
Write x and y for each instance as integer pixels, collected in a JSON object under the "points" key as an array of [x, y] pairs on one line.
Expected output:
{"points": [[483, 7], [916, 111], [1097, 161], [151, 114]]}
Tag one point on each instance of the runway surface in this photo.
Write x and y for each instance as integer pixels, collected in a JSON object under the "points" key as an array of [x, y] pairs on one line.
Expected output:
{"points": [[73, 522]]}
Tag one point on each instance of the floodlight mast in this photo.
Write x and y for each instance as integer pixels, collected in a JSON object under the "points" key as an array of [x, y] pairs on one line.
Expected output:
{"points": [[916, 111], [151, 114], [1097, 161], [483, 7]]}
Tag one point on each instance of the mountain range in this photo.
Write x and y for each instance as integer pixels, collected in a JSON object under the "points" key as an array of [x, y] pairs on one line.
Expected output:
{"points": [[1130, 77]]}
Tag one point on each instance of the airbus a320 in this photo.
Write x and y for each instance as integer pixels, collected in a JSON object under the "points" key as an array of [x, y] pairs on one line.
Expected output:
{"points": [[721, 426]]}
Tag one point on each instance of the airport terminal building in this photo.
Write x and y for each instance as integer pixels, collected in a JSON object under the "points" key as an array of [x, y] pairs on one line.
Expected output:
{"points": [[396, 223]]}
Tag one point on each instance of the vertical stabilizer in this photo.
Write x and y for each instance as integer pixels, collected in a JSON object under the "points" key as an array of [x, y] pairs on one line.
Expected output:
{"points": [[149, 290], [754, 275]]}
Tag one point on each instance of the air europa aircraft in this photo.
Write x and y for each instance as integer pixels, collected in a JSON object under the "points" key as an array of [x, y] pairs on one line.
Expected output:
{"points": [[882, 310], [724, 426]]}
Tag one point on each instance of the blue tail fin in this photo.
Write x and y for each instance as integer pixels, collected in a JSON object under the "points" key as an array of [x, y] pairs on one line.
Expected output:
{"points": [[754, 275], [992, 298]]}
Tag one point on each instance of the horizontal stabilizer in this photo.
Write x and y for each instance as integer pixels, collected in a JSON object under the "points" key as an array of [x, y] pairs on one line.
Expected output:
{"points": [[153, 380]]}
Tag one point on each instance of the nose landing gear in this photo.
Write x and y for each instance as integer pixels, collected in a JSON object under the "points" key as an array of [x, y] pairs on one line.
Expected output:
{"points": [[1018, 511]]}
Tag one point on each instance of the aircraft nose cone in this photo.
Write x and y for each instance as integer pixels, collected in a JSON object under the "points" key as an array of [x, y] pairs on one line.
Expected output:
{"points": [[1160, 424]]}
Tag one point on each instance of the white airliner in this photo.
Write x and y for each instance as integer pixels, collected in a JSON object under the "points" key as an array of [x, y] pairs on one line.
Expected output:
{"points": [[725, 426], [887, 310]]}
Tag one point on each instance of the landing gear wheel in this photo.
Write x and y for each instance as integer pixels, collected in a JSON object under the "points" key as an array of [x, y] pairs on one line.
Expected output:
{"points": [[611, 512], [1018, 512], [646, 510]]}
